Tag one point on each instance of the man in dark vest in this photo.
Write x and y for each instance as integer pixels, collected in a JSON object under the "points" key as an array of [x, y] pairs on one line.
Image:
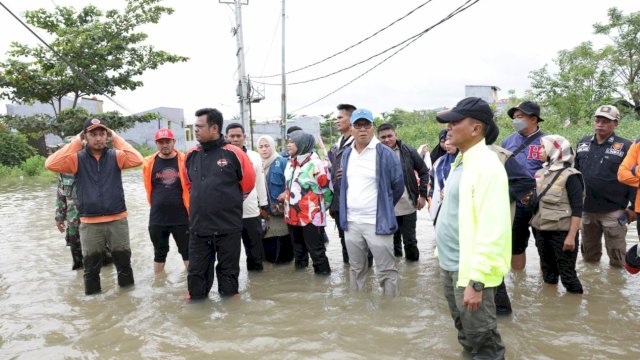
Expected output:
{"points": [[103, 214]]}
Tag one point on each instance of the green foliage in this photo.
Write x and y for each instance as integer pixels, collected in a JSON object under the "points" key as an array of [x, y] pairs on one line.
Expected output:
{"points": [[104, 46], [145, 150], [414, 128], [69, 122], [624, 33], [10, 171], [582, 82], [14, 148], [34, 165]]}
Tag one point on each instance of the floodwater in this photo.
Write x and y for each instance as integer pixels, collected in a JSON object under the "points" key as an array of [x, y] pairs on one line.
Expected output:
{"points": [[282, 314]]}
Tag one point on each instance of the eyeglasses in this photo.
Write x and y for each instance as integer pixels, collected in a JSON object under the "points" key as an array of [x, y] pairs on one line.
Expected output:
{"points": [[363, 125]]}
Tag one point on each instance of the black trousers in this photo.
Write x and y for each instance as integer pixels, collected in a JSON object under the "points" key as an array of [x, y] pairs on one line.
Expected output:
{"points": [[345, 254], [278, 249], [159, 235], [203, 251], [252, 239], [307, 241], [407, 233], [557, 263]]}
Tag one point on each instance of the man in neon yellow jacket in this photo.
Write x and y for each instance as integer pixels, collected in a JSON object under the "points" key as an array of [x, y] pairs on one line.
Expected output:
{"points": [[473, 232]]}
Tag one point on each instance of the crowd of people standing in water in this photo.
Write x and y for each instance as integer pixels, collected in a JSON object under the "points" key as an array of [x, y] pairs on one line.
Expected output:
{"points": [[485, 201]]}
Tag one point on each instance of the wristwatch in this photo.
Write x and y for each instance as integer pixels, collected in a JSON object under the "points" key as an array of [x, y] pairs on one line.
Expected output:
{"points": [[476, 285]]}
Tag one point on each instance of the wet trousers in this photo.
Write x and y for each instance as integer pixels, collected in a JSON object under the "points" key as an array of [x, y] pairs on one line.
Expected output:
{"points": [[556, 263], [607, 224], [203, 251], [307, 241], [477, 330], [278, 249], [406, 233], [362, 238], [159, 235], [252, 239], [94, 239]]}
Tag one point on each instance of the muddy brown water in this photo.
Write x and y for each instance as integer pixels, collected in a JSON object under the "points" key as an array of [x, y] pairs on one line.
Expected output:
{"points": [[282, 314]]}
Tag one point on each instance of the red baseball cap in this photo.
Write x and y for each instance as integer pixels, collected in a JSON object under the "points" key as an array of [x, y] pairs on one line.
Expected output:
{"points": [[164, 133]]}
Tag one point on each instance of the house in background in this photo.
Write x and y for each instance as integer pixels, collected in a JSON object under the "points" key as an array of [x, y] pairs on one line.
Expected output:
{"points": [[139, 134], [144, 133], [488, 93]]}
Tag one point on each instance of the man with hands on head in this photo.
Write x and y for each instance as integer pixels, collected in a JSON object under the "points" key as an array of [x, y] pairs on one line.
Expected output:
{"points": [[101, 204]]}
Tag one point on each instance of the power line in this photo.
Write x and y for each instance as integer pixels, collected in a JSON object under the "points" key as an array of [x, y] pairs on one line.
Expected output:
{"points": [[351, 46], [77, 71], [273, 37], [457, 11]]}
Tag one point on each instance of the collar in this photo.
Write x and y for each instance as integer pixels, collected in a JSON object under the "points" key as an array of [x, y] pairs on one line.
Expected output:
{"points": [[533, 133], [372, 144], [609, 140], [476, 154], [213, 144]]}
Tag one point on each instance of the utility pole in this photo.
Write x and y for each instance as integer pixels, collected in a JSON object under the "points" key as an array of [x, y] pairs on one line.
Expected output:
{"points": [[284, 89], [243, 86]]}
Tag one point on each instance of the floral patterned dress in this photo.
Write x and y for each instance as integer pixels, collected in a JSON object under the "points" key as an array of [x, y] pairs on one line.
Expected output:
{"points": [[308, 192]]}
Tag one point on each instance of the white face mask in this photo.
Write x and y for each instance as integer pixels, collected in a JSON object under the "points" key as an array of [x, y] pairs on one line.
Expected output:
{"points": [[519, 124]]}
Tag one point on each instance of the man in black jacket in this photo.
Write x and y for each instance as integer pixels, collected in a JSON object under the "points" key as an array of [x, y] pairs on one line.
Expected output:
{"points": [[220, 176], [415, 192]]}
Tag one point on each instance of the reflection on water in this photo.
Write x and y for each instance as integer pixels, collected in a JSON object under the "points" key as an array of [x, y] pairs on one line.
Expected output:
{"points": [[283, 314]]}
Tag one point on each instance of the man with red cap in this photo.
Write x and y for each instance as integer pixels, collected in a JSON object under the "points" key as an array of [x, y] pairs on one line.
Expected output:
{"points": [[164, 178]]}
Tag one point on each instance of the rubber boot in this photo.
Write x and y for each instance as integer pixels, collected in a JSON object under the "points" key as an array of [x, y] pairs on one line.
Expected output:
{"points": [[503, 304], [411, 253], [122, 261], [92, 264]]}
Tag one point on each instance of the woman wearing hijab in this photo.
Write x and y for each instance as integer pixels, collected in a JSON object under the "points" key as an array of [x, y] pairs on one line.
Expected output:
{"points": [[277, 244], [439, 150], [438, 178], [557, 209], [306, 197]]}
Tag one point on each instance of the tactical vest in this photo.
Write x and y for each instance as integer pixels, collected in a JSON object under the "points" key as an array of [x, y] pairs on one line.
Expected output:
{"points": [[99, 184], [503, 156], [554, 213]]}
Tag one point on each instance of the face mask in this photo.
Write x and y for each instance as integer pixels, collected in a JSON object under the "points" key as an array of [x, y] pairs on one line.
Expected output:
{"points": [[519, 125]]}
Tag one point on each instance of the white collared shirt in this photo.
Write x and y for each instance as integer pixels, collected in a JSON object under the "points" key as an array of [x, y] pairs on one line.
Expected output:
{"points": [[362, 194]]}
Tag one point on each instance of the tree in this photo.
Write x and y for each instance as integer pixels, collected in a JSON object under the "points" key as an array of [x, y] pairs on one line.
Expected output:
{"points": [[327, 130], [624, 59], [583, 81], [96, 53]]}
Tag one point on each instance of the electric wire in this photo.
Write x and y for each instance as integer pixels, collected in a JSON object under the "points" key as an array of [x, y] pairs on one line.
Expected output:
{"points": [[458, 10], [351, 46], [73, 68]]}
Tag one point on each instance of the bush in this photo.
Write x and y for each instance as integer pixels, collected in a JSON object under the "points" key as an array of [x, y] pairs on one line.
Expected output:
{"points": [[145, 150], [33, 166], [14, 149], [8, 171]]}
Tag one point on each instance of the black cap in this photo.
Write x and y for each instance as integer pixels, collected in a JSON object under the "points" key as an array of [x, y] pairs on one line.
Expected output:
{"points": [[93, 124], [492, 133], [527, 107], [472, 107]]}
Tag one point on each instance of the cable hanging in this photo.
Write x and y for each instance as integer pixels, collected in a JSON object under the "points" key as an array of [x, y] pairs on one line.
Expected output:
{"points": [[457, 11], [351, 46], [77, 71]]}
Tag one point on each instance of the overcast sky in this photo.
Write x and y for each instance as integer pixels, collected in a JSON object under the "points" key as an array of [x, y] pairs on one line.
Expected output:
{"points": [[494, 42]]}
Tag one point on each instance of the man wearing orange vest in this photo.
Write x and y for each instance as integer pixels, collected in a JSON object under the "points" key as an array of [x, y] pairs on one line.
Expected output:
{"points": [[164, 177]]}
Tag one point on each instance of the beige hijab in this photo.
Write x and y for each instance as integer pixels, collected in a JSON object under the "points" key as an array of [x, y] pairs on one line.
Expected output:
{"points": [[266, 163]]}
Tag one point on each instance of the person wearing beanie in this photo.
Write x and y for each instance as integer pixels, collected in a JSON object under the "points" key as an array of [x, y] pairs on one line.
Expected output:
{"points": [[557, 212]]}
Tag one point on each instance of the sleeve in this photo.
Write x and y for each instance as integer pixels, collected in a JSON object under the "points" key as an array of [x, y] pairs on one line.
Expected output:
{"points": [[146, 178], [628, 170], [247, 176], [127, 155], [61, 203], [575, 189], [492, 233], [261, 186], [397, 180], [432, 178], [65, 160], [423, 173], [520, 181]]}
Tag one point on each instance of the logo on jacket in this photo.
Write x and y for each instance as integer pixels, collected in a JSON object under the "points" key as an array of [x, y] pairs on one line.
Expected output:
{"points": [[583, 147], [534, 152], [222, 162], [615, 149]]}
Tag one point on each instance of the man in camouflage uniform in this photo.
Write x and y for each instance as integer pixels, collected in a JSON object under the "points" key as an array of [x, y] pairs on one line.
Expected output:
{"points": [[66, 210]]}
